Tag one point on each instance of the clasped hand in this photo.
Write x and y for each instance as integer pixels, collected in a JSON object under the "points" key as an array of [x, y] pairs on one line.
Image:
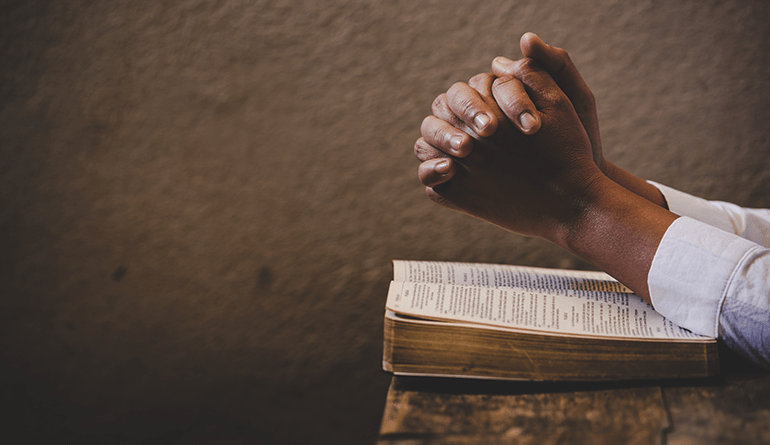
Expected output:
{"points": [[525, 165]]}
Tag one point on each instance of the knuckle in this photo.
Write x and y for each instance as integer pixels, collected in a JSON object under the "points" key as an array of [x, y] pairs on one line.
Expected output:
{"points": [[560, 101], [563, 54], [424, 151], [481, 79], [462, 102], [508, 91], [455, 121], [455, 87], [419, 149], [464, 107], [425, 127], [434, 131], [467, 108], [442, 110], [439, 103], [526, 70], [527, 64]]}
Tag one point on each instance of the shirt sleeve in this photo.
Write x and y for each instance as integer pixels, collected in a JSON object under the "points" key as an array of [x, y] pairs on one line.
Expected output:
{"points": [[711, 273], [752, 224]]}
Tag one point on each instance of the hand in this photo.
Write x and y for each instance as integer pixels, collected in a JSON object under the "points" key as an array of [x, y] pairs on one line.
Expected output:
{"points": [[547, 184], [466, 107], [527, 184], [558, 64], [467, 111]]}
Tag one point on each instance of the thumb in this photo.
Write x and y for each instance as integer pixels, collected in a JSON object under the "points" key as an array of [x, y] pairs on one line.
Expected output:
{"points": [[559, 65], [552, 59], [556, 62], [540, 87]]}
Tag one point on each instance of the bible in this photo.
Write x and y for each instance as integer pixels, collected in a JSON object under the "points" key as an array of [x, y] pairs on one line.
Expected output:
{"points": [[494, 321]]}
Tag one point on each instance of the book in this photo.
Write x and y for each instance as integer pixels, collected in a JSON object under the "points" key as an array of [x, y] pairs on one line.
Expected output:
{"points": [[493, 321]]}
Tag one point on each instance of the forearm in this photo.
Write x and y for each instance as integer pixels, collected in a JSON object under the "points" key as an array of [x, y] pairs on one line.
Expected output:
{"points": [[618, 231], [634, 184]]}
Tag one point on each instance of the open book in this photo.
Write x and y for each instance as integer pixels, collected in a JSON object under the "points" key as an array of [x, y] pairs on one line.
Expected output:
{"points": [[512, 322]]}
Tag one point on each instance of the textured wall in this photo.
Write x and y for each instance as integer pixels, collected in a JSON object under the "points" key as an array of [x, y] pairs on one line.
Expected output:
{"points": [[199, 200]]}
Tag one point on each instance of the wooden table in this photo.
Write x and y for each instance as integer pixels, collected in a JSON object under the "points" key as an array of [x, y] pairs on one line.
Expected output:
{"points": [[733, 408]]}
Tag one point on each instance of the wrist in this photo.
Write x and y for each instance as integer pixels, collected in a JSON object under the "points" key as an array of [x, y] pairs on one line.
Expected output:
{"points": [[634, 184], [581, 210], [610, 170], [617, 231]]}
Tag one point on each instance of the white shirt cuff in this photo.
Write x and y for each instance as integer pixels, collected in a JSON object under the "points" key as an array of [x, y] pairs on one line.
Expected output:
{"points": [[697, 208], [691, 271]]}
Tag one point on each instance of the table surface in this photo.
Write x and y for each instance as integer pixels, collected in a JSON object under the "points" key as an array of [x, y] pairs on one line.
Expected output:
{"points": [[731, 408]]}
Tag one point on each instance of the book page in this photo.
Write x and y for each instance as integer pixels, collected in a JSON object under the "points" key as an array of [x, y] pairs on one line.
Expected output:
{"points": [[500, 275], [566, 311]]}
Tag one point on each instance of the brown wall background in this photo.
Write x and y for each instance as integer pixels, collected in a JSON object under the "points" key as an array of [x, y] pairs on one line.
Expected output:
{"points": [[199, 200]]}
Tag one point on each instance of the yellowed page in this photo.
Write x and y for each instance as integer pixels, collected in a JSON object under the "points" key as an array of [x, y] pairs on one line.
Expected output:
{"points": [[502, 275], [568, 309]]}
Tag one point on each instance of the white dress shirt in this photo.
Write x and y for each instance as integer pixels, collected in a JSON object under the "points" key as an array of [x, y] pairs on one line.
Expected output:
{"points": [[711, 272]]}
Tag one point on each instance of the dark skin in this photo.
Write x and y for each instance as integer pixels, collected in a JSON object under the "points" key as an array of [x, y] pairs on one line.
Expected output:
{"points": [[534, 165]]}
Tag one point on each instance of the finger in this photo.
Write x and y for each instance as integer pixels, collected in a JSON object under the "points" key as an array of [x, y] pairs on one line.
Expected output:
{"points": [[540, 86], [467, 105], [517, 105], [441, 110], [555, 60], [442, 135], [435, 172], [424, 151], [559, 65], [436, 195], [482, 83]]}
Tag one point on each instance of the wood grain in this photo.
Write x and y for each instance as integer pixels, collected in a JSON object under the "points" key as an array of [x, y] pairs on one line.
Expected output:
{"points": [[604, 416]]}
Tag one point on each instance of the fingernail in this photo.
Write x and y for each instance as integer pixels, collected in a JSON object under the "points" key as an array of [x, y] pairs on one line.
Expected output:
{"points": [[481, 120], [456, 142], [442, 167], [527, 121]]}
